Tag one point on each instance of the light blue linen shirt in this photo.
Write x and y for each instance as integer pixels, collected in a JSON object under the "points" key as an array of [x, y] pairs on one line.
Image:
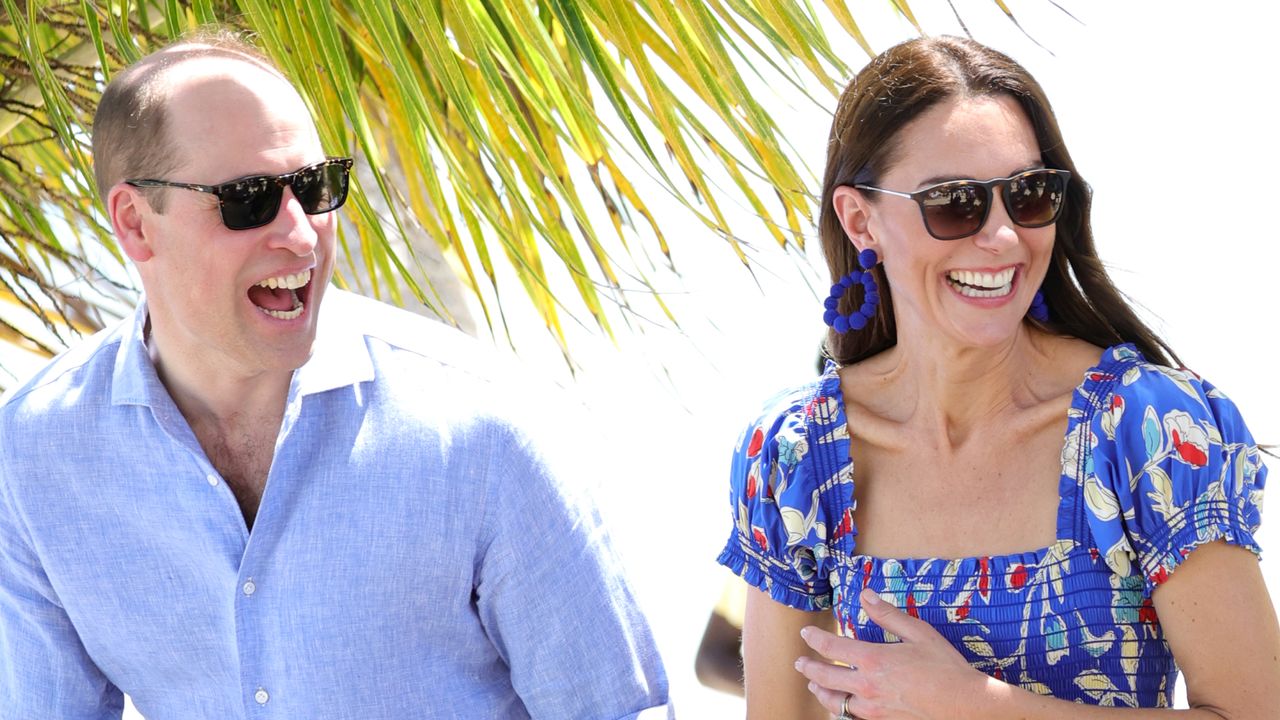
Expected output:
{"points": [[420, 550]]}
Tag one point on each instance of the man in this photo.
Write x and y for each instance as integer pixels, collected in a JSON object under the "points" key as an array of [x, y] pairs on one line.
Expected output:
{"points": [[257, 498]]}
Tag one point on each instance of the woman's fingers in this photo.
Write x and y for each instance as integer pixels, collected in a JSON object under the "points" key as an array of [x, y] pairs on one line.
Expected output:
{"points": [[830, 699], [849, 651], [893, 620], [827, 675]]}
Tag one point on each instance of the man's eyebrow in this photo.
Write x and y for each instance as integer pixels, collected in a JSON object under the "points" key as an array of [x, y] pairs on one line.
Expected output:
{"points": [[927, 182]]}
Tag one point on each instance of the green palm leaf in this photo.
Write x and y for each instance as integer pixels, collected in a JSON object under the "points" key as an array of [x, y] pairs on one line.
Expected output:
{"points": [[471, 120]]}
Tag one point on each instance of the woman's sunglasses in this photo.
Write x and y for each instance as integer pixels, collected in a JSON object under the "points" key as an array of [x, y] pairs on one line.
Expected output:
{"points": [[254, 201], [958, 208]]}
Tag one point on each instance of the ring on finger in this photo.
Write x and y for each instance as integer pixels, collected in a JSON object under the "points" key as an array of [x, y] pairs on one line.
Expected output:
{"points": [[844, 709]]}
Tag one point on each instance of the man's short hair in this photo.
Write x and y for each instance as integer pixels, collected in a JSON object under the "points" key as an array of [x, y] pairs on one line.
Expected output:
{"points": [[130, 128]]}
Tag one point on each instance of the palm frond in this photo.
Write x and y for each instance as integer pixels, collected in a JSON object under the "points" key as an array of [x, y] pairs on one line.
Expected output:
{"points": [[475, 123]]}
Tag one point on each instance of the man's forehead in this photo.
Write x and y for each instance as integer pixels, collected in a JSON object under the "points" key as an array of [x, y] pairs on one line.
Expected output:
{"points": [[226, 112], [208, 73]]}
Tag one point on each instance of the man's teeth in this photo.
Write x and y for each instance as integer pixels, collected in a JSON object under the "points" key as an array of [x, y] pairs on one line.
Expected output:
{"points": [[288, 282], [285, 314], [980, 284]]}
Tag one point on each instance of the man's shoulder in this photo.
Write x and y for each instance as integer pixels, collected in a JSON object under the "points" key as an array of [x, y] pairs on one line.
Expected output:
{"points": [[75, 375], [420, 342], [428, 368]]}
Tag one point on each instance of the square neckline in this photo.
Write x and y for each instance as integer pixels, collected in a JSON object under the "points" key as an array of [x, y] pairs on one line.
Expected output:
{"points": [[1071, 527]]}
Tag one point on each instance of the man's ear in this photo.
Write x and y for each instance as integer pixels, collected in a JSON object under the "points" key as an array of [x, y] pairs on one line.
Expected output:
{"points": [[127, 207], [854, 211]]}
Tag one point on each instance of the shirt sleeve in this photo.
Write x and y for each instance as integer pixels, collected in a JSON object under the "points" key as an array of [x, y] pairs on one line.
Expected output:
{"points": [[551, 591], [781, 495], [45, 671], [1175, 467]]}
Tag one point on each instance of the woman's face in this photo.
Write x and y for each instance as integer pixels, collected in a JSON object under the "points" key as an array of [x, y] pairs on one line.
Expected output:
{"points": [[971, 292]]}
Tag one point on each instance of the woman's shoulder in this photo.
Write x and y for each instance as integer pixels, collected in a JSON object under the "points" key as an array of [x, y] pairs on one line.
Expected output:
{"points": [[1132, 380], [793, 426], [1172, 466]]}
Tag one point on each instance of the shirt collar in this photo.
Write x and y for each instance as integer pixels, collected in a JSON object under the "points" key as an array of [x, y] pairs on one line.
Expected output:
{"points": [[339, 356], [134, 380]]}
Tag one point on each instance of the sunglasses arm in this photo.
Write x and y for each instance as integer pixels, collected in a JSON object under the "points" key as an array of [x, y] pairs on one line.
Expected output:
{"points": [[166, 184], [909, 196]]}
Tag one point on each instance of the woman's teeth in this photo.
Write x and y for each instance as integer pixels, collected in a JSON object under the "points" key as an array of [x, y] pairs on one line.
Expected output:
{"points": [[981, 285]]}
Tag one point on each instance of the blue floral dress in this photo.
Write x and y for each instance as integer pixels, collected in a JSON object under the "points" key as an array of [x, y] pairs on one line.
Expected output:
{"points": [[1155, 462]]}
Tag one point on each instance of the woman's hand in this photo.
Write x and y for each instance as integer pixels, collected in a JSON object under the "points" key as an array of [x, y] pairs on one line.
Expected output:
{"points": [[921, 677]]}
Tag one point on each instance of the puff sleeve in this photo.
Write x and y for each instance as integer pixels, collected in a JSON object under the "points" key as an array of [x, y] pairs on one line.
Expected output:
{"points": [[1174, 467], [784, 480]]}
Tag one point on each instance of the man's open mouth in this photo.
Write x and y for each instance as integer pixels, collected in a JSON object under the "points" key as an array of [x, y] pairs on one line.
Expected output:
{"points": [[284, 297]]}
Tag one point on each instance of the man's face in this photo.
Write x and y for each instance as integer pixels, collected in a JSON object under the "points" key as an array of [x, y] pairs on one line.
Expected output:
{"points": [[206, 285]]}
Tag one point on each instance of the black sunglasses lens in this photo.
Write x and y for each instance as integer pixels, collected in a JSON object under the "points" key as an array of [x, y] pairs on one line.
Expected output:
{"points": [[954, 210], [250, 203], [1034, 199], [322, 188]]}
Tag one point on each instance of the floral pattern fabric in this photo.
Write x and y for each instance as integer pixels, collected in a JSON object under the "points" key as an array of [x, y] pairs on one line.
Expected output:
{"points": [[1154, 463]]}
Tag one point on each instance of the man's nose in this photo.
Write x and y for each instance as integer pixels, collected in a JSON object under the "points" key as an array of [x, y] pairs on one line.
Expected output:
{"points": [[292, 228]]}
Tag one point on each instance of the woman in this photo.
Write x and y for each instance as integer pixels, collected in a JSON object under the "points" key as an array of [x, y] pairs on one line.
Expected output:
{"points": [[979, 556]]}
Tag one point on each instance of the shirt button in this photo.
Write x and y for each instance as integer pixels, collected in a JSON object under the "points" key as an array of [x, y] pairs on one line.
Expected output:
{"points": [[261, 696], [249, 588], [213, 480]]}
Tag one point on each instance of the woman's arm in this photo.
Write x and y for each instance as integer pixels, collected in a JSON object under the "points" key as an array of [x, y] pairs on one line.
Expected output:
{"points": [[1216, 615], [771, 643], [1221, 625]]}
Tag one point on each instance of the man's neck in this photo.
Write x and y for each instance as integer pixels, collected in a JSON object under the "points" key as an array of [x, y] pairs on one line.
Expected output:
{"points": [[212, 394]]}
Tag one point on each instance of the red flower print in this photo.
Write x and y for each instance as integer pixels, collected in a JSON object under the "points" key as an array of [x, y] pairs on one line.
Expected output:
{"points": [[984, 578], [1190, 441], [911, 605], [866, 573], [1147, 613], [1159, 576], [1018, 578], [757, 442], [812, 406], [1190, 453], [845, 526], [761, 540], [1094, 554], [962, 612]]}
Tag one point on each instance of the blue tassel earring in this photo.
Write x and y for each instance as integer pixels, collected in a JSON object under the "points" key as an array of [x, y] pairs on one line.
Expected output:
{"points": [[859, 318], [1039, 308]]}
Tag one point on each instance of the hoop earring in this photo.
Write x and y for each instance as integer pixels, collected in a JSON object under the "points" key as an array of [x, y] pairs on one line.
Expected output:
{"points": [[1039, 308], [859, 318]]}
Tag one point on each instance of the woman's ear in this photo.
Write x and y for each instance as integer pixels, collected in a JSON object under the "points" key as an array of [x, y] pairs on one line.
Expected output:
{"points": [[127, 207], [855, 213]]}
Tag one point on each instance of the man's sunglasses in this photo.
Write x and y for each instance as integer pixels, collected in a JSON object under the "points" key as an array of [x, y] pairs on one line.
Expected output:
{"points": [[254, 201], [958, 208]]}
